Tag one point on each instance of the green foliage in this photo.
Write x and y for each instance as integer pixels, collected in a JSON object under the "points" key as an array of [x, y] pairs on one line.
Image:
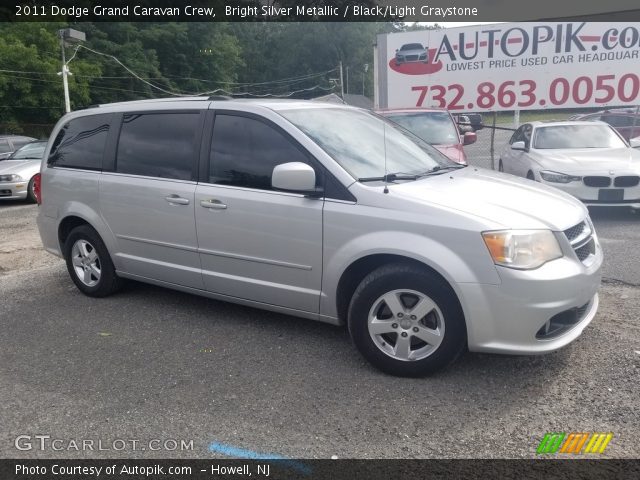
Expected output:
{"points": [[184, 58]]}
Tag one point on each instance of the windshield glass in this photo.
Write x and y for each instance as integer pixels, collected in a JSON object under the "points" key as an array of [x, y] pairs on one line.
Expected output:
{"points": [[435, 128], [412, 46], [360, 141], [576, 136], [30, 151]]}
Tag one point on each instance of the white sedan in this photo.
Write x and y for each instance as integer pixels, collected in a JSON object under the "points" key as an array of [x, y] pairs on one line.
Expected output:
{"points": [[589, 160]]}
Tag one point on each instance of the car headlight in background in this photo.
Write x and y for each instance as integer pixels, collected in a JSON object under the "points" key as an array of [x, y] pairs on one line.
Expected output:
{"points": [[557, 177], [10, 178], [522, 249]]}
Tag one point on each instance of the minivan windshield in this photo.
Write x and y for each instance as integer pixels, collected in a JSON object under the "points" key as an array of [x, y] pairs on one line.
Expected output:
{"points": [[576, 136], [363, 142]]}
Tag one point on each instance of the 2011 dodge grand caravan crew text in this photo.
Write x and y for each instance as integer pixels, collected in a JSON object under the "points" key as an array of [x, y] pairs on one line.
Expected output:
{"points": [[320, 211]]}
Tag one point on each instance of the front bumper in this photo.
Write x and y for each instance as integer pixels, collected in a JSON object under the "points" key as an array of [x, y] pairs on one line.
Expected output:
{"points": [[589, 195], [507, 318], [13, 190]]}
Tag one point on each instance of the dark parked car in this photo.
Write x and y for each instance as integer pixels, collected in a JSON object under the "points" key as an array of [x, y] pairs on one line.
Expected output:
{"points": [[412, 53], [10, 143], [625, 121], [472, 120]]}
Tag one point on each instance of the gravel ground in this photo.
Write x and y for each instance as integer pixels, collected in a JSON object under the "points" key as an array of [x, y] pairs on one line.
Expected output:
{"points": [[150, 363]]}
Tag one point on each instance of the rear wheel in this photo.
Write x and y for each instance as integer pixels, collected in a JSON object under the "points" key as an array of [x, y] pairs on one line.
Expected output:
{"points": [[530, 175], [406, 321], [500, 166], [31, 196], [89, 263]]}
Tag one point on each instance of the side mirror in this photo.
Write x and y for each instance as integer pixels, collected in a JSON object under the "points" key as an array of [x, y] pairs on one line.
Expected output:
{"points": [[294, 177], [635, 142], [469, 138], [519, 145]]}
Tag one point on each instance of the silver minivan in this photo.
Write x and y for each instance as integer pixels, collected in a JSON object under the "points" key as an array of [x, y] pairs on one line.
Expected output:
{"points": [[320, 211]]}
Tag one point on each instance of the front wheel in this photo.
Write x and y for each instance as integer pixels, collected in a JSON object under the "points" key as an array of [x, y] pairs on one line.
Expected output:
{"points": [[406, 321], [89, 263]]}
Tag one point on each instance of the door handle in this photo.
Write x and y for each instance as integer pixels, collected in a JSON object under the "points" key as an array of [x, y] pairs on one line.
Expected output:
{"points": [[213, 203], [176, 199]]}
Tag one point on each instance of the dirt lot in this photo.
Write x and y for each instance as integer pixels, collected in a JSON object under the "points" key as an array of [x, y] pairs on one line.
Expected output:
{"points": [[153, 363], [20, 245]]}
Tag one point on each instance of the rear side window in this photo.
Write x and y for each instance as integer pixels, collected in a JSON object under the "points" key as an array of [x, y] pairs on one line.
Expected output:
{"points": [[80, 143], [245, 151], [158, 145]]}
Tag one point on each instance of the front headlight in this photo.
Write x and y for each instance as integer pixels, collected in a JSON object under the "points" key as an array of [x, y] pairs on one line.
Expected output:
{"points": [[557, 177], [10, 178], [522, 249]]}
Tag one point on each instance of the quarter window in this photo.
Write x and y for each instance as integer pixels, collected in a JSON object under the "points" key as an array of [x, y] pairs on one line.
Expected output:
{"points": [[158, 145], [245, 151], [80, 143]]}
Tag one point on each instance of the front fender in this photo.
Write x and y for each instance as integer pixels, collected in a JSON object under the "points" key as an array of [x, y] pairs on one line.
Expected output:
{"points": [[436, 255]]}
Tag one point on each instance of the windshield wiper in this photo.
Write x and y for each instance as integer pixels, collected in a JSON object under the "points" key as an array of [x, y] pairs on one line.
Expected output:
{"points": [[390, 177], [438, 169]]}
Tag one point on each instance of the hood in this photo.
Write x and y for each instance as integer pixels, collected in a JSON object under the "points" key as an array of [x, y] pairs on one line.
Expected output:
{"points": [[23, 168], [453, 151], [503, 199], [590, 160]]}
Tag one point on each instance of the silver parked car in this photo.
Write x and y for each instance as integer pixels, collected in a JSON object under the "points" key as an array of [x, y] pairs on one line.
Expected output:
{"points": [[411, 53], [320, 211], [587, 159], [17, 173]]}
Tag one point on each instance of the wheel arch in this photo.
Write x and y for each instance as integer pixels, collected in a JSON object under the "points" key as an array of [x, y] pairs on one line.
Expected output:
{"points": [[353, 275]]}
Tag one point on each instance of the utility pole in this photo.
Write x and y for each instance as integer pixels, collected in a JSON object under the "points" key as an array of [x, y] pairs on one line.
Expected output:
{"points": [[341, 82], [68, 35], [364, 71], [347, 78], [64, 73]]}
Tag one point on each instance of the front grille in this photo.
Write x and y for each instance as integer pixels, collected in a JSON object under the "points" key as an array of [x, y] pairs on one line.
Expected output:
{"points": [[411, 58], [575, 231], [597, 181], [562, 322], [627, 181], [581, 239], [584, 251]]}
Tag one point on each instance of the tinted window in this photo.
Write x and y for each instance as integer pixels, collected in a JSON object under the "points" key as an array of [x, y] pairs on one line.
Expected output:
{"points": [[158, 145], [244, 152], [517, 136], [619, 120], [80, 143]]}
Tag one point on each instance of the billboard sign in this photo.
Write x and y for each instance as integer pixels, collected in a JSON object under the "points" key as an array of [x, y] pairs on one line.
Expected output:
{"points": [[512, 66]]}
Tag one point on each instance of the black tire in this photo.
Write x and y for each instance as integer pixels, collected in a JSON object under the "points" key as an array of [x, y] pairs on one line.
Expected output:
{"points": [[31, 196], [530, 176], [107, 282], [388, 279], [500, 166]]}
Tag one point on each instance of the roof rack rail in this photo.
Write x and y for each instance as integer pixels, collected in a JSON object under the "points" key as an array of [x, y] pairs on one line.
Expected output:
{"points": [[220, 97]]}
